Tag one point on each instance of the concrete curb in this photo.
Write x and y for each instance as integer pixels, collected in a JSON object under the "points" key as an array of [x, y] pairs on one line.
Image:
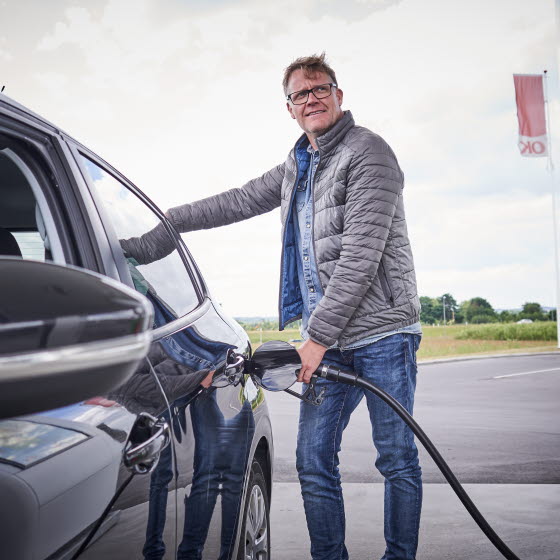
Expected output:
{"points": [[486, 357]]}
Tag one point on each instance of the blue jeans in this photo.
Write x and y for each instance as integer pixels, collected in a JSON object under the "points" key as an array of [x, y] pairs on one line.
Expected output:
{"points": [[389, 363]]}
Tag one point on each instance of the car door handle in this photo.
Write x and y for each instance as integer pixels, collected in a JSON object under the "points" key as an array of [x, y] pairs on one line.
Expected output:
{"points": [[148, 438]]}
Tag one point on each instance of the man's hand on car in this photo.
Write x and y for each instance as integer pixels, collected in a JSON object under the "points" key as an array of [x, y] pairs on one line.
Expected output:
{"points": [[207, 381], [311, 354]]}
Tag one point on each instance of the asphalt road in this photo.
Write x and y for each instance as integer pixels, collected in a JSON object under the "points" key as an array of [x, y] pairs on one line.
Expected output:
{"points": [[497, 424]]}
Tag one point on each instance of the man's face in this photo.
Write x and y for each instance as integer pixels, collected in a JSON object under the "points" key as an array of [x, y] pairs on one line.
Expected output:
{"points": [[317, 115]]}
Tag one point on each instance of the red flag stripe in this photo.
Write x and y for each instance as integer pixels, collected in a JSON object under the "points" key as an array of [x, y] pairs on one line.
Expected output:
{"points": [[529, 96]]}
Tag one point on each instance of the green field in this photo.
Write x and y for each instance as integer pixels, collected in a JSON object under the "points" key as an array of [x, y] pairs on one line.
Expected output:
{"points": [[460, 340]]}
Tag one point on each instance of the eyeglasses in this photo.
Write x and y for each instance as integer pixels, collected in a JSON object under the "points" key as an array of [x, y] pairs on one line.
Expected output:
{"points": [[301, 97]]}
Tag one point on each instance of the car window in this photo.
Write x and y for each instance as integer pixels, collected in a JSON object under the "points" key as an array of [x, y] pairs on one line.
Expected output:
{"points": [[26, 224], [165, 277]]}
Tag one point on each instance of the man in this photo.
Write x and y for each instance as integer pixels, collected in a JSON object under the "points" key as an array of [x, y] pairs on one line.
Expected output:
{"points": [[347, 271]]}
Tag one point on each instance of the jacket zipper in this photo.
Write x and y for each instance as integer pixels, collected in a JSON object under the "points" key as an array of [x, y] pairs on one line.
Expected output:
{"points": [[313, 177], [385, 287], [290, 209]]}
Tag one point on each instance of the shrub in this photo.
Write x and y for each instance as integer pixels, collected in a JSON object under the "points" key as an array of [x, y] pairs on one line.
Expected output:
{"points": [[509, 331], [483, 318]]}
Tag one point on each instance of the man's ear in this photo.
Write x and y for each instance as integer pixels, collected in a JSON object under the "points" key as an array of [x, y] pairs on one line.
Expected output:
{"points": [[289, 107], [339, 95]]}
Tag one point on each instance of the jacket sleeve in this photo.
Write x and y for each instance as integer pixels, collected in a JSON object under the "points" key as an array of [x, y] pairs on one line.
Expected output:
{"points": [[374, 184], [258, 196]]}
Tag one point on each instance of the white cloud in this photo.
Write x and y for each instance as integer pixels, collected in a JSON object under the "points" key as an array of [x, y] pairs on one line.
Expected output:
{"points": [[4, 54], [185, 99], [476, 233]]}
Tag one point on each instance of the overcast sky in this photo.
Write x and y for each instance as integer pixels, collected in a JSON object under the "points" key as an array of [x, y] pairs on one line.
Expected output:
{"points": [[184, 98]]}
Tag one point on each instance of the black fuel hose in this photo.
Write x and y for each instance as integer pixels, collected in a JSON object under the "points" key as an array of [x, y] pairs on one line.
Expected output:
{"points": [[334, 374]]}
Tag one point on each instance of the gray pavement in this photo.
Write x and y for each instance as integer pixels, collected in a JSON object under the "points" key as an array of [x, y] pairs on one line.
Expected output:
{"points": [[525, 516], [501, 437]]}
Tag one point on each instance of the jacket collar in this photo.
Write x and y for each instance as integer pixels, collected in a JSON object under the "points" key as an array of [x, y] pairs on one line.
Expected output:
{"points": [[331, 138], [334, 136]]}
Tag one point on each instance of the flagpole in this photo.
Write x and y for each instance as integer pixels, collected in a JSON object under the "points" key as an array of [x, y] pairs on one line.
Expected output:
{"points": [[554, 218]]}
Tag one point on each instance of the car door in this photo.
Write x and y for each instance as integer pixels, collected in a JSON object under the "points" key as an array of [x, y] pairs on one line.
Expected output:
{"points": [[61, 470], [213, 428], [97, 473]]}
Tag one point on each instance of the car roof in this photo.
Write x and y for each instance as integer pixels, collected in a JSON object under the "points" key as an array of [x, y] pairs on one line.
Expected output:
{"points": [[18, 110], [15, 108]]}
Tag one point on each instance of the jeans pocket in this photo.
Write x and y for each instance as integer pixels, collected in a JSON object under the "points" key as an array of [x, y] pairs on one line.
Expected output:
{"points": [[406, 346], [411, 343], [416, 338]]}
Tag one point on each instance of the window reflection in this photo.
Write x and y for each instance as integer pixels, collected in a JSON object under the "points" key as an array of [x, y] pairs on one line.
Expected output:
{"points": [[131, 218], [222, 447], [25, 443]]}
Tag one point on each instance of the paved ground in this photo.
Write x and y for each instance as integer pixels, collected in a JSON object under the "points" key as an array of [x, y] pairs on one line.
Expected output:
{"points": [[500, 435]]}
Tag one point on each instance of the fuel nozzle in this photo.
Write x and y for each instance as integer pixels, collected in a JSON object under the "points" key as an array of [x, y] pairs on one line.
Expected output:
{"points": [[332, 373]]}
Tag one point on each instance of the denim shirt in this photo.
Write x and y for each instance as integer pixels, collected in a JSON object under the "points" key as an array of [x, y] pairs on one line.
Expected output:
{"points": [[308, 277]]}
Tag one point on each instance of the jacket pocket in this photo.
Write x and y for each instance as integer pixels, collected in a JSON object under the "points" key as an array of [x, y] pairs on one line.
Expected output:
{"points": [[387, 292]]}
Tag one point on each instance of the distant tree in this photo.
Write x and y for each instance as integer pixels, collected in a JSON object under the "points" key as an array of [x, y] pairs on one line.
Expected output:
{"points": [[428, 311], [533, 311], [478, 310], [437, 311], [508, 316], [531, 307], [451, 308], [551, 315], [432, 310]]}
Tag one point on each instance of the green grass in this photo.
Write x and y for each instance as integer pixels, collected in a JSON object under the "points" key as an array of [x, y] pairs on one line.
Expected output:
{"points": [[458, 340], [461, 340]]}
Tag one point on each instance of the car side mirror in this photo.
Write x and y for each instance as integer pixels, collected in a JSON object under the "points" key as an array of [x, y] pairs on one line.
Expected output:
{"points": [[66, 334]]}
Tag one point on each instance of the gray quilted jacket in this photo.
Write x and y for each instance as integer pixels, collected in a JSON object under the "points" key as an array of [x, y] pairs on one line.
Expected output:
{"points": [[361, 242]]}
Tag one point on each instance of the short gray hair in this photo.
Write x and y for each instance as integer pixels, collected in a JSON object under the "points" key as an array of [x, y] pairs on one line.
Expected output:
{"points": [[310, 66]]}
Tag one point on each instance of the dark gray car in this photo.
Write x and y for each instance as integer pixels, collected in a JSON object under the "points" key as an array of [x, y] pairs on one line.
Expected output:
{"points": [[159, 466]]}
